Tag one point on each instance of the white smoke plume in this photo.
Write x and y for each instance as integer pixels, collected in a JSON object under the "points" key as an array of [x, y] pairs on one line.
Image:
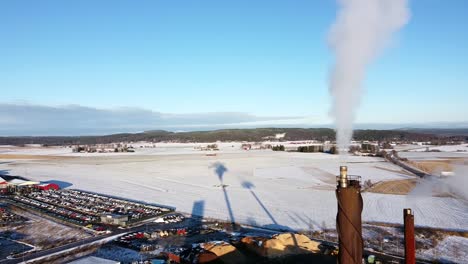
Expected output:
{"points": [[360, 32], [454, 185], [459, 182]]}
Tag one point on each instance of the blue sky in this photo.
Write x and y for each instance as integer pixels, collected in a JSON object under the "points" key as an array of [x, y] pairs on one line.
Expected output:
{"points": [[263, 60]]}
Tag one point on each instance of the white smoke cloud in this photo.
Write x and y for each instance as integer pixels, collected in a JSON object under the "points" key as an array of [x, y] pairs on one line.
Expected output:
{"points": [[459, 182], [453, 185], [360, 32]]}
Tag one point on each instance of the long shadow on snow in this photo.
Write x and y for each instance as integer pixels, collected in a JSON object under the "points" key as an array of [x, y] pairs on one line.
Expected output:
{"points": [[250, 186], [4, 172], [301, 256], [220, 170], [198, 210]]}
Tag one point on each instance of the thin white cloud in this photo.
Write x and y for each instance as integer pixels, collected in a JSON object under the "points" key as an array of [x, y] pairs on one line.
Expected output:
{"points": [[25, 119], [22, 119]]}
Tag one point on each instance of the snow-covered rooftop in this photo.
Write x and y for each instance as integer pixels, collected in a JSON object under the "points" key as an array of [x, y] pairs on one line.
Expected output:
{"points": [[94, 260], [20, 182]]}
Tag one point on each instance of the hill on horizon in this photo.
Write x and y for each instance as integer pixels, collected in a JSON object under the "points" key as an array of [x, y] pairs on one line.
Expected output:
{"points": [[257, 134]]}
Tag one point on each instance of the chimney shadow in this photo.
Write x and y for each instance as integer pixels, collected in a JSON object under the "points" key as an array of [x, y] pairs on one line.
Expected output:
{"points": [[198, 211], [220, 169], [307, 221], [250, 186], [228, 204]]}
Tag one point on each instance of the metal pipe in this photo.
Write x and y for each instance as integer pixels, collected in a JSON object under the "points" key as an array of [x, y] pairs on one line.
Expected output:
{"points": [[410, 243], [343, 182], [348, 219]]}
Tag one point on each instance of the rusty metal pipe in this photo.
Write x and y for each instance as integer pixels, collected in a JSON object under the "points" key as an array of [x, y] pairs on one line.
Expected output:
{"points": [[410, 243], [348, 219]]}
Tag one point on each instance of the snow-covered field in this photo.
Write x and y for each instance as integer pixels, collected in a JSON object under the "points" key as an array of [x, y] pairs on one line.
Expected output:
{"points": [[435, 152], [141, 148], [444, 148], [420, 155], [294, 190]]}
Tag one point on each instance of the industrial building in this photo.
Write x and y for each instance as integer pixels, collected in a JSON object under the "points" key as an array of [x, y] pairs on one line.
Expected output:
{"points": [[47, 186], [19, 185], [114, 219]]}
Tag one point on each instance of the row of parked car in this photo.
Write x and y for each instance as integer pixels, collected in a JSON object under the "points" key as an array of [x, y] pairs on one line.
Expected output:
{"points": [[95, 204], [60, 212], [138, 239], [172, 218]]}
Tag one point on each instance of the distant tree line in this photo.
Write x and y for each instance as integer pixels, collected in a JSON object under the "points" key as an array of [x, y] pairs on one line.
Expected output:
{"points": [[313, 148], [278, 148], [317, 148], [250, 135]]}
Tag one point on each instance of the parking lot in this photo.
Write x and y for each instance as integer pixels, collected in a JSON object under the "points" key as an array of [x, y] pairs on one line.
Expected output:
{"points": [[9, 247], [85, 208], [8, 218]]}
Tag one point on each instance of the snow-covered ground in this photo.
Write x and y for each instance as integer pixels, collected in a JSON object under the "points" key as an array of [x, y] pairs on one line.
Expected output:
{"points": [[444, 152], [117, 253], [451, 249], [294, 190], [141, 148], [420, 155], [444, 148], [31, 150]]}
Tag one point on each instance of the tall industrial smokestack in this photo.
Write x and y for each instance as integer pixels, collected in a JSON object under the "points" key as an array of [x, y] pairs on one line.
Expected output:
{"points": [[410, 243], [361, 30], [348, 219]]}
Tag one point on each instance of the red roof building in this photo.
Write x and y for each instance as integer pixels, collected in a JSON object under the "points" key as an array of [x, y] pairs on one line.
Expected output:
{"points": [[3, 186], [173, 257], [47, 186]]}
